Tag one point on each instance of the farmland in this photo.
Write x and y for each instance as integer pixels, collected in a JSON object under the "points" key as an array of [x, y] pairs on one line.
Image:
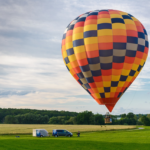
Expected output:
{"points": [[129, 139], [27, 128]]}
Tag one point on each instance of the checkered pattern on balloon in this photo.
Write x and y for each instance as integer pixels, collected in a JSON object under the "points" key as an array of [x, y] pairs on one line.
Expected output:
{"points": [[104, 50]]}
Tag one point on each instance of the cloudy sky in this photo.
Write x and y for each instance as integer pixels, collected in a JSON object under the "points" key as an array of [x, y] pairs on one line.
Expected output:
{"points": [[32, 72]]}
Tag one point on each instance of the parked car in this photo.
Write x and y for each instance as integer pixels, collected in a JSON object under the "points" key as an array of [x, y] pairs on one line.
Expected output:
{"points": [[61, 132]]}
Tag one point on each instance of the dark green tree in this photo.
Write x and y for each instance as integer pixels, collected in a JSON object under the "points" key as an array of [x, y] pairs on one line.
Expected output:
{"points": [[86, 117], [53, 120], [9, 119], [58, 120], [98, 119], [72, 120], [145, 121], [130, 115], [123, 115], [148, 116]]}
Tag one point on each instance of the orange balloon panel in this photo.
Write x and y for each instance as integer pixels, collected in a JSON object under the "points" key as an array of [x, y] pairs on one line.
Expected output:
{"points": [[105, 50]]}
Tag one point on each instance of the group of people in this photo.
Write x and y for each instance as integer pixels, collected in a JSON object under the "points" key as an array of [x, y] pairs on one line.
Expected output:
{"points": [[108, 119], [108, 116]]}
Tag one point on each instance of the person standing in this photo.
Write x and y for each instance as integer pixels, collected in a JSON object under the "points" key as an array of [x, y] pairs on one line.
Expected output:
{"points": [[78, 133]]}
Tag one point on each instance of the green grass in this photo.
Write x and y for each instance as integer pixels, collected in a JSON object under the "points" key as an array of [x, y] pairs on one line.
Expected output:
{"points": [[100, 140]]}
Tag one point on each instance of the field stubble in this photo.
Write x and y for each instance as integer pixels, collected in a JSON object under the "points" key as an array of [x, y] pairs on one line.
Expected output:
{"points": [[27, 128]]}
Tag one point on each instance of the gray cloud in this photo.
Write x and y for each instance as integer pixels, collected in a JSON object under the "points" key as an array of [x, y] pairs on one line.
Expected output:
{"points": [[10, 93]]}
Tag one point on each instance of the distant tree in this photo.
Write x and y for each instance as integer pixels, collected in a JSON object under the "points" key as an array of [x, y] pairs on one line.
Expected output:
{"points": [[58, 120], [136, 118], [145, 121], [9, 119], [45, 119], [19, 118], [72, 120], [125, 124], [139, 123], [61, 119], [139, 116], [148, 116], [129, 121], [53, 120], [98, 119], [123, 115], [130, 115], [30, 118], [114, 120], [86, 117], [50, 113]]}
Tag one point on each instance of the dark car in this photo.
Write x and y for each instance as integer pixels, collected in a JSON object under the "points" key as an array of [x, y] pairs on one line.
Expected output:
{"points": [[61, 132]]}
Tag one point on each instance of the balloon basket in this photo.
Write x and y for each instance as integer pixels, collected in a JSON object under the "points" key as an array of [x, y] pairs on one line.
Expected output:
{"points": [[108, 120]]}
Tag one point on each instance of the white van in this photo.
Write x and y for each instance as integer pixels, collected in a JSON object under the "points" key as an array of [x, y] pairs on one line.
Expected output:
{"points": [[40, 132]]}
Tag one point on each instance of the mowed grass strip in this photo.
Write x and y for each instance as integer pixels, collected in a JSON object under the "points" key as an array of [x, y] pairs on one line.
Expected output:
{"points": [[27, 128]]}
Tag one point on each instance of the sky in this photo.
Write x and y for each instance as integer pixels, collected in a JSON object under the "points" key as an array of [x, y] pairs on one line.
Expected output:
{"points": [[32, 72]]}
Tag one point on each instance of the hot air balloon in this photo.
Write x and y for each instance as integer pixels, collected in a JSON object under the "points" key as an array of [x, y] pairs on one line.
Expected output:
{"points": [[105, 50]]}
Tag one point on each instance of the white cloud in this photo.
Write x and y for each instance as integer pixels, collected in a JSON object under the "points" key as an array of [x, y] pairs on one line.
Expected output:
{"points": [[42, 100], [38, 74], [55, 39], [125, 110], [137, 85]]}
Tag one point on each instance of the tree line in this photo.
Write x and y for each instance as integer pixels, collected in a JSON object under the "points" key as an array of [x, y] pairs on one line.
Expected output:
{"points": [[85, 117], [15, 112], [30, 116]]}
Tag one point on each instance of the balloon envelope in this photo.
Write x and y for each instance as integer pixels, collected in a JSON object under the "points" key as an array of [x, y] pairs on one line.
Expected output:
{"points": [[105, 50]]}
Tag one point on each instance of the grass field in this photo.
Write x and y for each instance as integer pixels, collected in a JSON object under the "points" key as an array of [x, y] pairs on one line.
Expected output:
{"points": [[130, 139], [27, 129]]}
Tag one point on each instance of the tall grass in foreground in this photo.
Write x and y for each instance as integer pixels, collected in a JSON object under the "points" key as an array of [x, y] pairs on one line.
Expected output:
{"points": [[27, 128]]}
